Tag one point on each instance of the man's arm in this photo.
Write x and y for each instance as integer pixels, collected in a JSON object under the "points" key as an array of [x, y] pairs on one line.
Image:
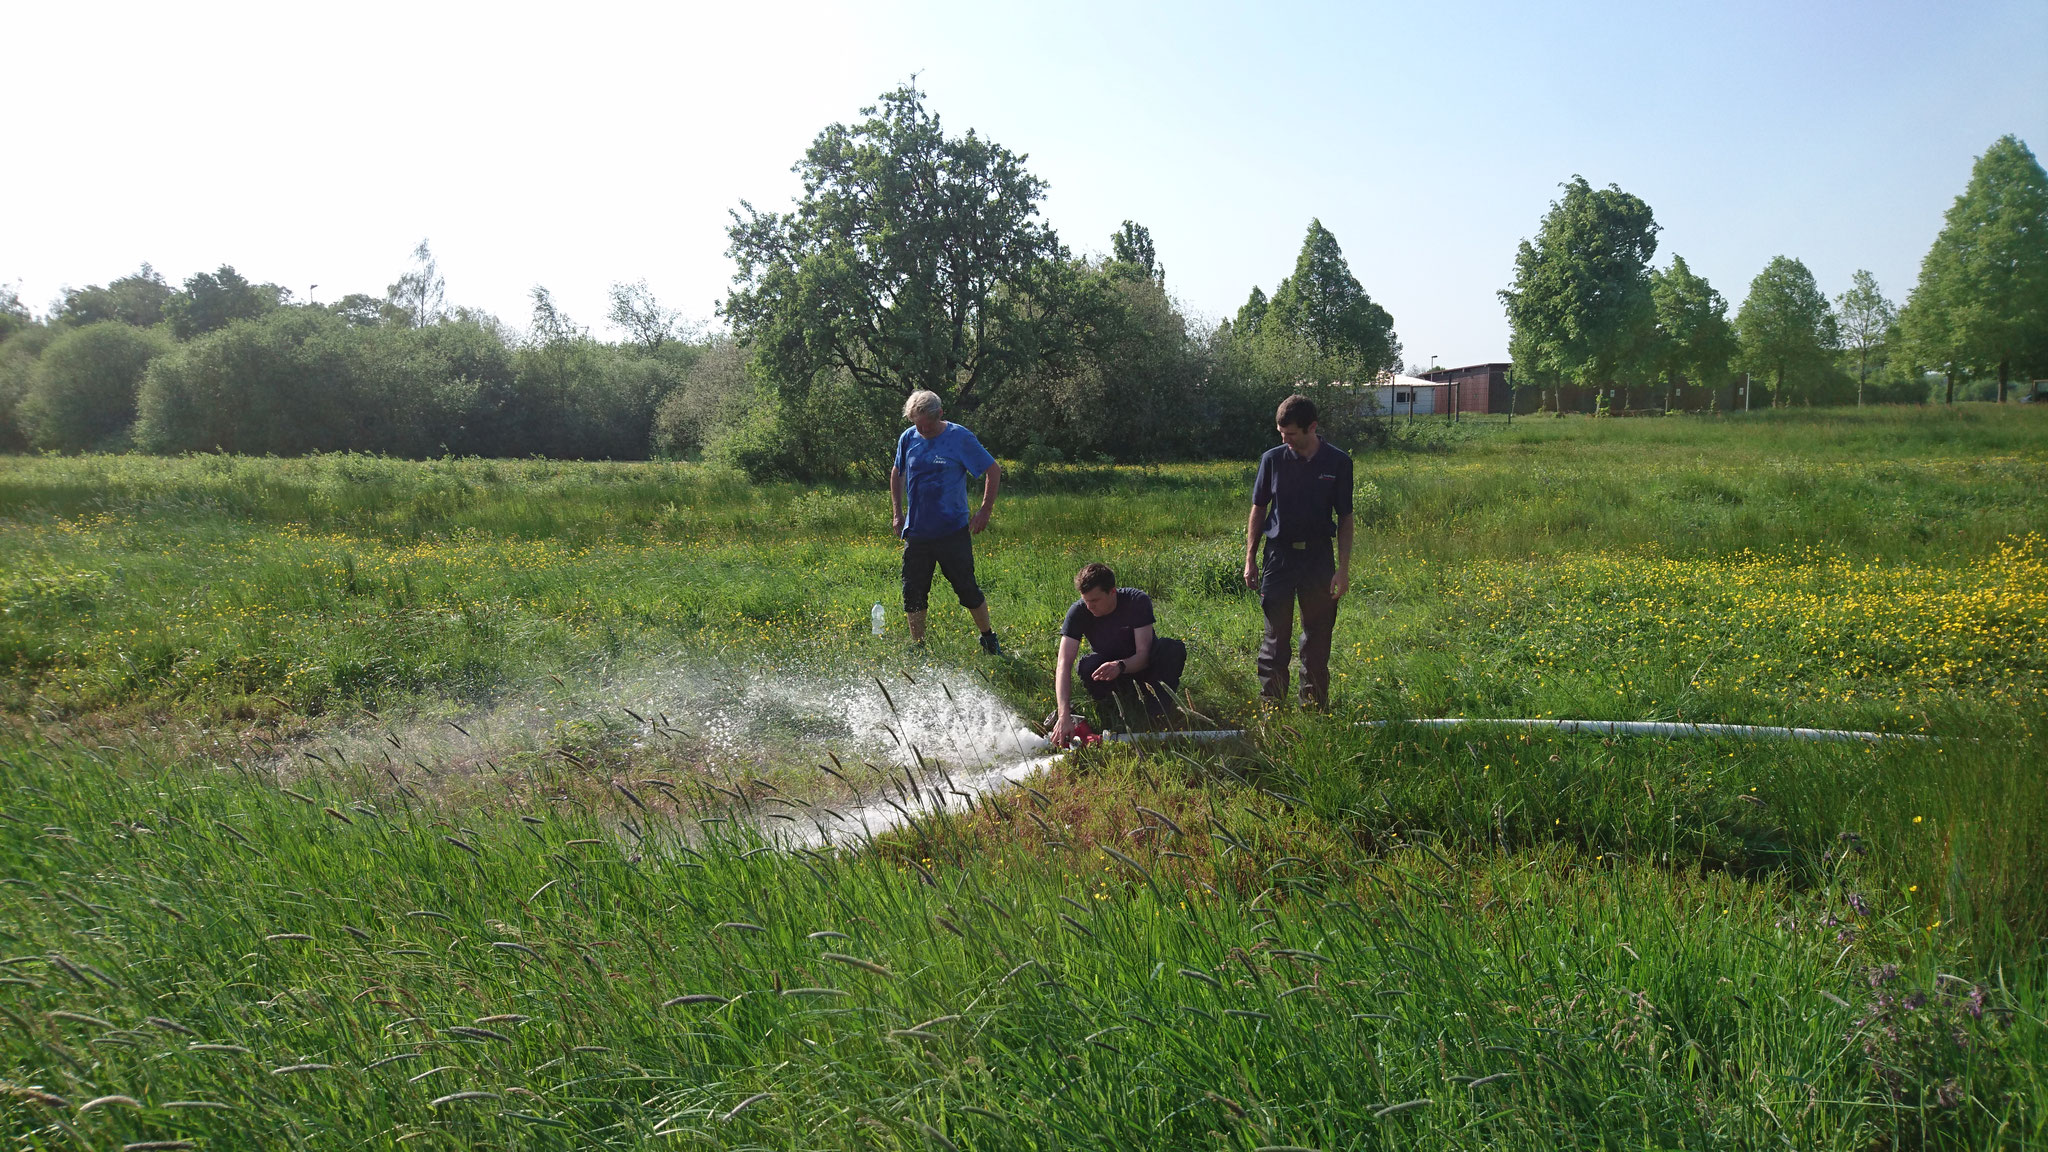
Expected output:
{"points": [[1253, 528], [991, 483], [895, 500], [1111, 669], [1341, 583], [1063, 691]]}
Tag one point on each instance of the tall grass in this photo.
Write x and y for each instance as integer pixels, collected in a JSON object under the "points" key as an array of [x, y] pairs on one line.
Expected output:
{"points": [[248, 966], [224, 922], [1711, 570]]}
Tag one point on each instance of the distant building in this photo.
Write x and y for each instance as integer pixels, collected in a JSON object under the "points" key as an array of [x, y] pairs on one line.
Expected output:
{"points": [[1404, 395], [1472, 389]]}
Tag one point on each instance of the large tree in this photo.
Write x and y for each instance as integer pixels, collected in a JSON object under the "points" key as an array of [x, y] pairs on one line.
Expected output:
{"points": [[1252, 314], [1133, 255], [1982, 301], [138, 300], [1324, 304], [913, 260], [1864, 318], [1786, 331], [1694, 339], [213, 300], [419, 295], [1580, 310]]}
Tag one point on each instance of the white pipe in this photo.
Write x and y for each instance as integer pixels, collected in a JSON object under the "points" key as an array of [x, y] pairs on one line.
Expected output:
{"points": [[1594, 727], [1661, 728], [1206, 735]]}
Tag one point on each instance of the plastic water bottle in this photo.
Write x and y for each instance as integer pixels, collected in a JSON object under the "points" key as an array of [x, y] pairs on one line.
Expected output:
{"points": [[876, 617]]}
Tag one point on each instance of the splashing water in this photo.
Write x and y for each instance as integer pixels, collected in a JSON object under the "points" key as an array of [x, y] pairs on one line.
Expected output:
{"points": [[954, 743], [936, 739]]}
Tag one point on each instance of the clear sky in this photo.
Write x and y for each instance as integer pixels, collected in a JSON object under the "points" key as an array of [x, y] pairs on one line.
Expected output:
{"points": [[577, 145]]}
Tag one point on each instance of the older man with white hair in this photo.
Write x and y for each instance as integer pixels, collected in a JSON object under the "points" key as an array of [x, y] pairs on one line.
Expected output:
{"points": [[928, 492]]}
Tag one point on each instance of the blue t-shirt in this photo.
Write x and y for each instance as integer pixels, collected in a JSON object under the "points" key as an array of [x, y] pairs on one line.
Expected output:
{"points": [[935, 473]]}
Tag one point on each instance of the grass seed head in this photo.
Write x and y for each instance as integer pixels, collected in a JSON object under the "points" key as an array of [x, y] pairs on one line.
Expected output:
{"points": [[456, 1097]]}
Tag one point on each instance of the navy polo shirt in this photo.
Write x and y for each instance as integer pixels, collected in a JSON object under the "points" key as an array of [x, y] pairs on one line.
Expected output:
{"points": [[1303, 497]]}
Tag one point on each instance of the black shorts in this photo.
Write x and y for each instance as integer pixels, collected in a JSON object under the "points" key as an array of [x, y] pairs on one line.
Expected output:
{"points": [[952, 554]]}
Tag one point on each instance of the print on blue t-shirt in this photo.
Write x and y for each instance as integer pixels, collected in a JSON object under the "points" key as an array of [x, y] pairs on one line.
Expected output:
{"points": [[935, 473]]}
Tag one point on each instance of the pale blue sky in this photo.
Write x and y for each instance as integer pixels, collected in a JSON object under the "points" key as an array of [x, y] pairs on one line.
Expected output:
{"points": [[577, 145]]}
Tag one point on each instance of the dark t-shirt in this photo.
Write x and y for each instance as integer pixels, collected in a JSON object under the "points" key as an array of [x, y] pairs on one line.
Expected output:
{"points": [[1114, 635], [1303, 497]]}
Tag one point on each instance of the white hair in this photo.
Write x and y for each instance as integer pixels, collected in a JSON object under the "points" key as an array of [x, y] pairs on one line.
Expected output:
{"points": [[922, 403]]}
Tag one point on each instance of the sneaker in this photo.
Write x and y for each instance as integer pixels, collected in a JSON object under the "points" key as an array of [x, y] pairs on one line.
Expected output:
{"points": [[989, 644]]}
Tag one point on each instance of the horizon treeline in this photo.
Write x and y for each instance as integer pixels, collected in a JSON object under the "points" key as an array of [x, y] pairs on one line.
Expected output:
{"points": [[916, 259]]}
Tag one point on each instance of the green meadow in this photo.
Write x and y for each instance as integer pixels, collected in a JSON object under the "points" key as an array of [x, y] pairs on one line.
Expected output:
{"points": [[335, 813]]}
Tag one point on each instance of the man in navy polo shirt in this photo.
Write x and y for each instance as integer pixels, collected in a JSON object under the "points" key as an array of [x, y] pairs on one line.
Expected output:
{"points": [[1300, 499], [1125, 659], [928, 492]]}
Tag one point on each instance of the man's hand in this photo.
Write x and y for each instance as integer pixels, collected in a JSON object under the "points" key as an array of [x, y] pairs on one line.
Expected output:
{"points": [[1251, 574], [896, 525], [1340, 584], [1107, 670], [1063, 731], [979, 522]]}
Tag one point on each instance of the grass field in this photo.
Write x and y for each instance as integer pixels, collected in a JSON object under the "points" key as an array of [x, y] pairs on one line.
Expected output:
{"points": [[327, 824]]}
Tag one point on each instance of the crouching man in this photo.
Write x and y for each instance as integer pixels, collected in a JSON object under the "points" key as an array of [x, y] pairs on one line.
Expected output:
{"points": [[1125, 659]]}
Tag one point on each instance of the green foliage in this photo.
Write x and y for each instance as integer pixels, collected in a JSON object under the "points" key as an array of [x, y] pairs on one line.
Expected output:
{"points": [[139, 299], [712, 392], [17, 368], [1786, 334], [1695, 340], [366, 311], [418, 297], [1135, 388], [1132, 253], [1324, 304], [1866, 321], [831, 430], [212, 300], [82, 392], [1981, 304], [580, 399], [1580, 310], [913, 260], [645, 321], [1252, 313], [14, 315], [24, 341], [306, 380], [303, 380]]}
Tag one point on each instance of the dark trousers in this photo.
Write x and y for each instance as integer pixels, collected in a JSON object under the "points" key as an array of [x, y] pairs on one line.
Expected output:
{"points": [[1297, 574], [1169, 658], [952, 554]]}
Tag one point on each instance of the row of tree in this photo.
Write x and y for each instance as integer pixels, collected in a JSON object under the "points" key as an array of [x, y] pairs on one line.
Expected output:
{"points": [[1590, 316], [915, 259], [221, 364]]}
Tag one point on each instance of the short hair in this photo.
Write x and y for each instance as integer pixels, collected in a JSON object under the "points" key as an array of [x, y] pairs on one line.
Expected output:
{"points": [[923, 402], [1096, 575], [1297, 411]]}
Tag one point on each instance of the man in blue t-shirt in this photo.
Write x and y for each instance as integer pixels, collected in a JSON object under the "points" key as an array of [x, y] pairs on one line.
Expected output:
{"points": [[1125, 658], [1300, 499], [928, 492]]}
